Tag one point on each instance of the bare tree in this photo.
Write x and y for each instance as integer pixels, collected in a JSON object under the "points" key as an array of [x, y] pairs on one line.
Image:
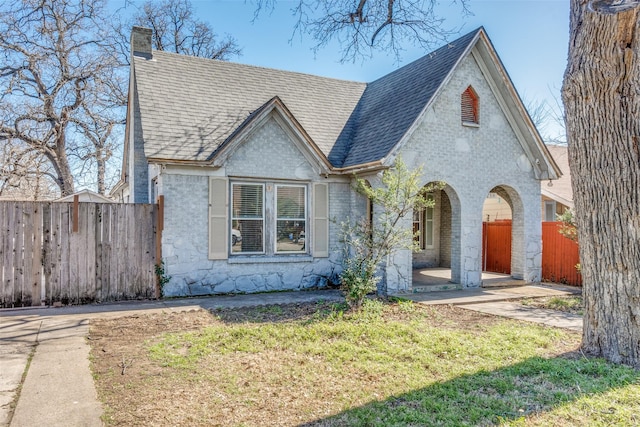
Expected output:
{"points": [[361, 26], [24, 173], [177, 29], [55, 68], [544, 117], [602, 107]]}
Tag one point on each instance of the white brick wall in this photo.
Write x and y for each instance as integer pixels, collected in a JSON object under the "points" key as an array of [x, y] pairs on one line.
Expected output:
{"points": [[472, 161], [268, 154]]}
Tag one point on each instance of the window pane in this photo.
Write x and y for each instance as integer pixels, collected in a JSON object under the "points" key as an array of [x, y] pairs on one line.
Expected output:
{"points": [[291, 236], [247, 201], [417, 227], [291, 225], [246, 236], [429, 213], [550, 211], [247, 229], [429, 228], [291, 202]]}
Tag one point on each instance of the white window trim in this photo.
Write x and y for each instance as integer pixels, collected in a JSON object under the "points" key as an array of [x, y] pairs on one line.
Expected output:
{"points": [[270, 220], [305, 219]]}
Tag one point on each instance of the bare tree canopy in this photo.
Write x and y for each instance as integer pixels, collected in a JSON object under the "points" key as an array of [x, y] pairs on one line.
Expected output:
{"points": [[63, 85], [177, 29], [57, 77], [24, 173], [548, 120], [602, 110], [362, 26]]}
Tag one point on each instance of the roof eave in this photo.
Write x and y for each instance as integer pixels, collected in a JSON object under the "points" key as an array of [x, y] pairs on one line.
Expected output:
{"points": [[557, 198]]}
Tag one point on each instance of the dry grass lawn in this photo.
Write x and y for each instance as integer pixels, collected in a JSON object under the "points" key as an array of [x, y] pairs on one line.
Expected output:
{"points": [[313, 364]]}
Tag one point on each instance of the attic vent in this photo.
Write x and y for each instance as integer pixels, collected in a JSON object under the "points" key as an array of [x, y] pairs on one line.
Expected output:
{"points": [[470, 106]]}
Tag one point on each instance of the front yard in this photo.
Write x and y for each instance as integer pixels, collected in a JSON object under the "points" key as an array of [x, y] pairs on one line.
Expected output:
{"points": [[313, 364]]}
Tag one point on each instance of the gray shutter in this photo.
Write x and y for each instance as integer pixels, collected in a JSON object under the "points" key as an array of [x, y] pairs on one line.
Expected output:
{"points": [[218, 209], [320, 220]]}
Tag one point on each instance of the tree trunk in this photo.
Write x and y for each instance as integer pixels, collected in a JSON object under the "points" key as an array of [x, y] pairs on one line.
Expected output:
{"points": [[601, 94], [63, 169], [102, 167]]}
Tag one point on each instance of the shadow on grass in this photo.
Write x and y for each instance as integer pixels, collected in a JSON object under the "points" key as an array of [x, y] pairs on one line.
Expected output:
{"points": [[533, 386], [281, 313]]}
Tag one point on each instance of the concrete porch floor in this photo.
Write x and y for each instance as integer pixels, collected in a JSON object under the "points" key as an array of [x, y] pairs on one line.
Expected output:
{"points": [[440, 279]]}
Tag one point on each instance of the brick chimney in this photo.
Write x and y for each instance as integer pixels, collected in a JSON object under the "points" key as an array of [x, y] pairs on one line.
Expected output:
{"points": [[141, 42]]}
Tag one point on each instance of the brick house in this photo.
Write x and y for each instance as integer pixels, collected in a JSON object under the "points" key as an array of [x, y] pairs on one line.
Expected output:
{"points": [[255, 165]]}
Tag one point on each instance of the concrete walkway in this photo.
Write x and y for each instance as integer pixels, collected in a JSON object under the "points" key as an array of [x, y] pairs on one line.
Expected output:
{"points": [[58, 389]]}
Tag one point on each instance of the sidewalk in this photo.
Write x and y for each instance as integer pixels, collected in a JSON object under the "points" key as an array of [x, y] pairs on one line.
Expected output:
{"points": [[58, 389]]}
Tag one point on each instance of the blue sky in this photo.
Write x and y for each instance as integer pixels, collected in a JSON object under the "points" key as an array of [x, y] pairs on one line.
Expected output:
{"points": [[531, 37]]}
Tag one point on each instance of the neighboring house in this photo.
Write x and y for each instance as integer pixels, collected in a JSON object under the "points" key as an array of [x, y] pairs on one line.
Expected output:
{"points": [[495, 208], [86, 196], [557, 196], [269, 157]]}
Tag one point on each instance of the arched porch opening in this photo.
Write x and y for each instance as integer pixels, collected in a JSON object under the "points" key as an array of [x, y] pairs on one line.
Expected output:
{"points": [[436, 264], [502, 236]]}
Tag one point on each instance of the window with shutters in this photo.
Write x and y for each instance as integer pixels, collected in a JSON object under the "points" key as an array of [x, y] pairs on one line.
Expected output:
{"points": [[470, 107], [269, 218]]}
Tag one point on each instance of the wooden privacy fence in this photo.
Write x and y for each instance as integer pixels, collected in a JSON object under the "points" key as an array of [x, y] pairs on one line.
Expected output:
{"points": [[559, 256], [76, 253], [496, 246]]}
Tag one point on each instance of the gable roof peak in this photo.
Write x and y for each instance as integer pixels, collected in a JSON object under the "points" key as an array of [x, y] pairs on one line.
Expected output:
{"points": [[391, 104]]}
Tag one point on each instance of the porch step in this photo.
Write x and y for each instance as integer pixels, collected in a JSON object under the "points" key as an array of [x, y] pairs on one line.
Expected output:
{"points": [[436, 288], [502, 283]]}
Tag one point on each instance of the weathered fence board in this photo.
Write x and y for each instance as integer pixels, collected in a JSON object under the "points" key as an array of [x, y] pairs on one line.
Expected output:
{"points": [[110, 256]]}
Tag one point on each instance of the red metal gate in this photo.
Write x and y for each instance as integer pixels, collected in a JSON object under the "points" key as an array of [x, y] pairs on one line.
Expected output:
{"points": [[496, 246]]}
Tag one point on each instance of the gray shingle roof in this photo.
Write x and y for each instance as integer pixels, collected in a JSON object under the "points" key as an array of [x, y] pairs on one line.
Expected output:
{"points": [[391, 104], [189, 106]]}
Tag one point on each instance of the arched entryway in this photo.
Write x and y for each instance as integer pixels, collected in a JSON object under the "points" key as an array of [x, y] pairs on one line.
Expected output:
{"points": [[502, 236], [436, 264]]}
